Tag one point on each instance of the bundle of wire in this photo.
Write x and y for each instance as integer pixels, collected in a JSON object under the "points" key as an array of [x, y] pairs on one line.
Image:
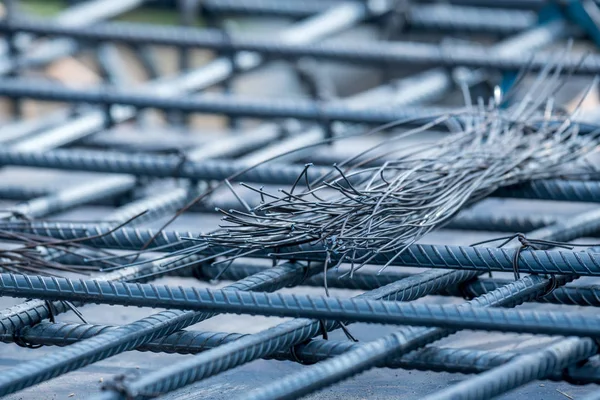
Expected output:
{"points": [[360, 210]]}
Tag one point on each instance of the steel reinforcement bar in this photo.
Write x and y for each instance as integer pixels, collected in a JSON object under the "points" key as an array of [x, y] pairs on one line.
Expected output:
{"points": [[431, 358], [483, 259], [373, 53], [302, 306], [173, 166]]}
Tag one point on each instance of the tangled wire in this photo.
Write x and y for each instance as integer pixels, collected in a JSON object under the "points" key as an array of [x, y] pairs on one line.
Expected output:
{"points": [[398, 195]]}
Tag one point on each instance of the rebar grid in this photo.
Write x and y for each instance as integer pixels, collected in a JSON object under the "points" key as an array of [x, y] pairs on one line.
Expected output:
{"points": [[561, 361]]}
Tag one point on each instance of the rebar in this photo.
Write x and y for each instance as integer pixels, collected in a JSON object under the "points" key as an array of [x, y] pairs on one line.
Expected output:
{"points": [[431, 358], [438, 17], [301, 306], [521, 370], [580, 295], [382, 53], [228, 105], [483, 259], [173, 166], [209, 363]]}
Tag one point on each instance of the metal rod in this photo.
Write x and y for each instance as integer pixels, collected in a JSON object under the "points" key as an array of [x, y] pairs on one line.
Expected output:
{"points": [[353, 362], [172, 166], [431, 358], [72, 196], [482, 259], [303, 306], [213, 103], [332, 21], [436, 17], [366, 279], [373, 53]]}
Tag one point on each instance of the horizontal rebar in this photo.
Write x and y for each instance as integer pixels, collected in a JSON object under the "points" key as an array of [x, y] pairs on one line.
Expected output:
{"points": [[302, 306], [497, 222], [368, 280], [375, 53], [482, 259], [374, 353], [232, 106], [437, 17], [173, 166], [438, 359]]}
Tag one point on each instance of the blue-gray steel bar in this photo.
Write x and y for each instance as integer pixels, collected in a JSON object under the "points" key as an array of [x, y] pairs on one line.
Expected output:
{"points": [[172, 166], [436, 17], [482, 259], [431, 358], [341, 16], [305, 306], [72, 196], [368, 279], [68, 359], [279, 337], [130, 336], [212, 103], [520, 370], [361, 359], [376, 53]]}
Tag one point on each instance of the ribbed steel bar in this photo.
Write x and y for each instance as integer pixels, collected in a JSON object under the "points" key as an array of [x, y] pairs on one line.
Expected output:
{"points": [[423, 256], [553, 359], [403, 290], [369, 280], [171, 201], [358, 360], [361, 359], [496, 222], [336, 19], [35, 311], [172, 166], [431, 358], [436, 17], [373, 53], [130, 336], [390, 95], [318, 307], [213, 103], [554, 189]]}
